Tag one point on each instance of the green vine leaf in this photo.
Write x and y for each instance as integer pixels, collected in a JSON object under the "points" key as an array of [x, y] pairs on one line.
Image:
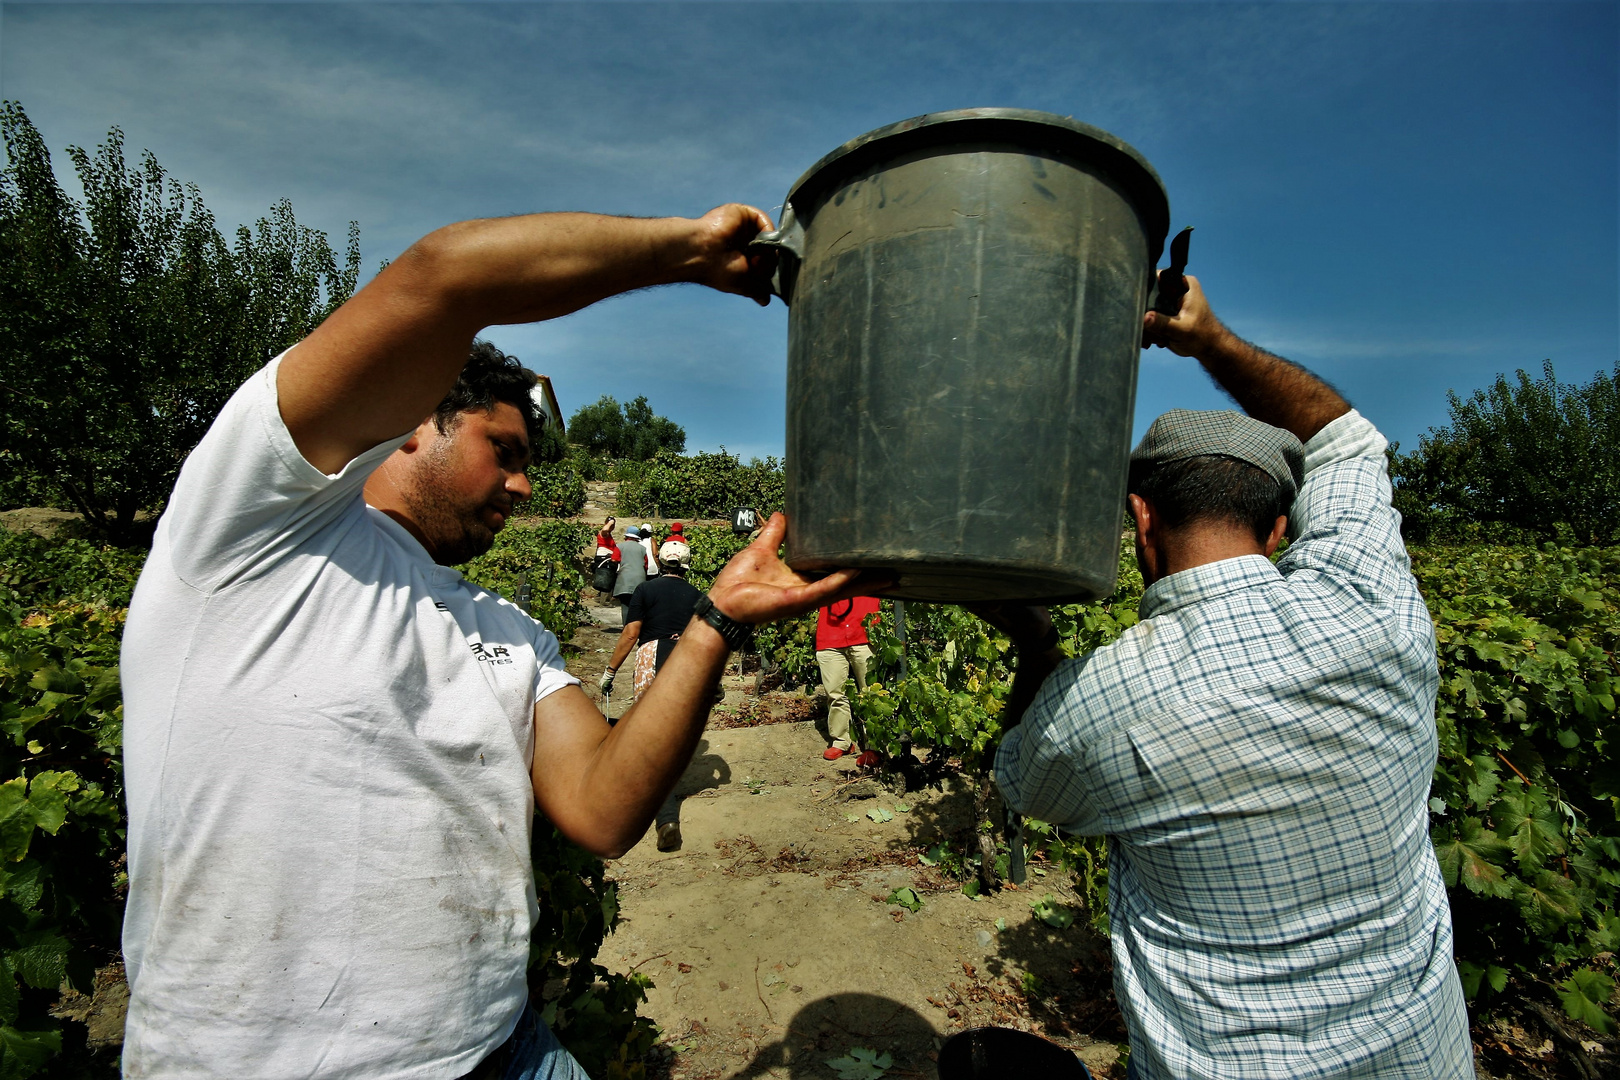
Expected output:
{"points": [[1467, 854], [23, 1053], [1052, 913], [1584, 994], [907, 898], [861, 1063], [1529, 825], [40, 958], [1548, 901]]}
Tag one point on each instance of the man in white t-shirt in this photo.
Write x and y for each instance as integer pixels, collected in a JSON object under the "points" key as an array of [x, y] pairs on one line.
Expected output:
{"points": [[334, 743]]}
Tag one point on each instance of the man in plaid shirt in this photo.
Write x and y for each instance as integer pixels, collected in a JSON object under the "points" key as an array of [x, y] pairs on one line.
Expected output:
{"points": [[1258, 749]]}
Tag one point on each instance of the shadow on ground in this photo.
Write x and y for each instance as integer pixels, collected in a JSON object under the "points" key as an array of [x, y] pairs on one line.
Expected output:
{"points": [[830, 1027], [706, 772], [1071, 992]]}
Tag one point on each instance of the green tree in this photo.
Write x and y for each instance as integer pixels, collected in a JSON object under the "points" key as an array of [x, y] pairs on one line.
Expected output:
{"points": [[703, 485], [127, 321], [551, 447], [1535, 454], [631, 431]]}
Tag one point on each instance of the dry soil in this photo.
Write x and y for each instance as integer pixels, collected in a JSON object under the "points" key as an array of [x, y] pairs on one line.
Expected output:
{"points": [[770, 936]]}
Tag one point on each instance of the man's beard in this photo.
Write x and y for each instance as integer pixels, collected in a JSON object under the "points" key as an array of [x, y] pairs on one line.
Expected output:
{"points": [[455, 529]]}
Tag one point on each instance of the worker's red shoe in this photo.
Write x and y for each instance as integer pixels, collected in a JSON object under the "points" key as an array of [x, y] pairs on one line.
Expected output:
{"points": [[868, 759], [832, 753]]}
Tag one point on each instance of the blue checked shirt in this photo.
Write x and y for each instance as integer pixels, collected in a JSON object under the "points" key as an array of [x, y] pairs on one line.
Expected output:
{"points": [[1258, 749]]}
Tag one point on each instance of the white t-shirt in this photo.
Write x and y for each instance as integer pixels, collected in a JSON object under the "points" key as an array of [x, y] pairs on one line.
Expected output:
{"points": [[327, 740]]}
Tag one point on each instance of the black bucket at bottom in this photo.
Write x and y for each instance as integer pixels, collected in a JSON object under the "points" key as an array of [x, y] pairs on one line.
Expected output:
{"points": [[995, 1053]]}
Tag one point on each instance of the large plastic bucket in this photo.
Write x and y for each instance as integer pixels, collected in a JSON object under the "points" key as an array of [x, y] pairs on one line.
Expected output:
{"points": [[966, 292]]}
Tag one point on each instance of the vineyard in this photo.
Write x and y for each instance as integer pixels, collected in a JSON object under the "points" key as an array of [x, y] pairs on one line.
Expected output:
{"points": [[130, 318], [1524, 807], [1524, 804]]}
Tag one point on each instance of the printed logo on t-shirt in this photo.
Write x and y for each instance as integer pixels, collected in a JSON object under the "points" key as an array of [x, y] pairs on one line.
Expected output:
{"points": [[441, 605], [491, 654]]}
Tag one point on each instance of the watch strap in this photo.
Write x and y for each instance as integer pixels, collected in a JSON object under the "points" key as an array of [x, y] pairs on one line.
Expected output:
{"points": [[737, 635]]}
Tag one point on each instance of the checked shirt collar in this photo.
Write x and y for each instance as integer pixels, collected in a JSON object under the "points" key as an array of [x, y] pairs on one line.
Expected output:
{"points": [[1206, 582]]}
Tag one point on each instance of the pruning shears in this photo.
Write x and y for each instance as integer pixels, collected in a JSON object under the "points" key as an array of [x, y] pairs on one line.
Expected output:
{"points": [[1172, 285]]}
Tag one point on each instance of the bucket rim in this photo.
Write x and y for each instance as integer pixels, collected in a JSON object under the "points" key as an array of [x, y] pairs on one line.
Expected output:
{"points": [[1139, 178]]}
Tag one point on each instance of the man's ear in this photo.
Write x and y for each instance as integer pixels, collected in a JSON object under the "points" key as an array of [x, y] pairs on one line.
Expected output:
{"points": [[425, 432], [1147, 521], [1147, 538], [1278, 528]]}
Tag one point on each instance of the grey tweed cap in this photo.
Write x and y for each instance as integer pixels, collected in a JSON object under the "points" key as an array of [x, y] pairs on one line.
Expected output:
{"points": [[1185, 433]]}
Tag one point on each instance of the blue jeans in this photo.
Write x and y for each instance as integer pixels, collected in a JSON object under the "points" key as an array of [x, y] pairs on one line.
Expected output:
{"points": [[533, 1053]]}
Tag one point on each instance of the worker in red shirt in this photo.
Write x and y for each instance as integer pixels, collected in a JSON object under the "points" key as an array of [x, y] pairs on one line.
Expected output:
{"points": [[842, 651]]}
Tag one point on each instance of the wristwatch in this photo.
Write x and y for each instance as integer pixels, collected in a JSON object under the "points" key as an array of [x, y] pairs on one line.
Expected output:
{"points": [[737, 635]]}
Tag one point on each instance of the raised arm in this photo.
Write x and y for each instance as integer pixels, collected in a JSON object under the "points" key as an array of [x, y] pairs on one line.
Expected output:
{"points": [[1269, 388], [601, 785], [382, 361]]}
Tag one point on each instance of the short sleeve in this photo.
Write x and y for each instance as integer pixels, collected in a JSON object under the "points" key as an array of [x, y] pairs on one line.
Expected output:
{"points": [[550, 674], [246, 491]]}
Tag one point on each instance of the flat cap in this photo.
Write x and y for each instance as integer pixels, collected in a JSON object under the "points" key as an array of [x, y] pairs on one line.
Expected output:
{"points": [[1185, 433]]}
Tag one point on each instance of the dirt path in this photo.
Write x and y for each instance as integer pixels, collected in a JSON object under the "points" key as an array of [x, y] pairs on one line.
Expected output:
{"points": [[769, 934]]}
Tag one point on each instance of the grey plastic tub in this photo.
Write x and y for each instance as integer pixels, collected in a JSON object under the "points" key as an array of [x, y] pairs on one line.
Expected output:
{"points": [[966, 292]]}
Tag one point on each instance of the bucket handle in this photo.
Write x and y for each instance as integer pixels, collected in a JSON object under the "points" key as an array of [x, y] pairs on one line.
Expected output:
{"points": [[1170, 284], [785, 247]]}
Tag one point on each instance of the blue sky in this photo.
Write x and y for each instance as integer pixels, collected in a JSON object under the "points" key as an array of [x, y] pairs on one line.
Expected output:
{"points": [[1405, 197]]}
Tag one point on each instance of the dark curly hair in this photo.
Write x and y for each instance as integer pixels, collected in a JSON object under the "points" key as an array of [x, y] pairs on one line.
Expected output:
{"points": [[488, 376]]}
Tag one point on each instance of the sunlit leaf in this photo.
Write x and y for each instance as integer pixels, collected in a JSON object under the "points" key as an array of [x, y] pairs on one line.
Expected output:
{"points": [[16, 819], [907, 898], [1052, 913], [1547, 901], [1529, 825], [40, 958], [1468, 854]]}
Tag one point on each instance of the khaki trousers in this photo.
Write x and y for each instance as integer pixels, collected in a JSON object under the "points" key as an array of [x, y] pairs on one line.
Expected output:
{"points": [[837, 666]]}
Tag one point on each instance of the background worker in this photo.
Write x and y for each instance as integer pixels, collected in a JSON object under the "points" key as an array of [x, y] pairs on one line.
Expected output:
{"points": [[660, 612], [632, 571], [1259, 747], [649, 541], [335, 746], [842, 651], [605, 563]]}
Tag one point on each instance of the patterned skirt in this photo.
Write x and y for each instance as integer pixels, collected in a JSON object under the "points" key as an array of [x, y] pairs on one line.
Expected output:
{"points": [[646, 667]]}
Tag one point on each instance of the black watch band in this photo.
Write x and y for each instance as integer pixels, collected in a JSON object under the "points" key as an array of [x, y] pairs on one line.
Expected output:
{"points": [[737, 635]]}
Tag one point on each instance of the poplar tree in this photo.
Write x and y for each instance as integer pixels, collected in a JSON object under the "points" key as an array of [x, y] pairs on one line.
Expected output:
{"points": [[127, 320]]}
